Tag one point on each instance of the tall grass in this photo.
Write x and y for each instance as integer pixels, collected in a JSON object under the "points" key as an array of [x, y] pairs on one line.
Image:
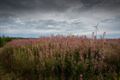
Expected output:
{"points": [[61, 58]]}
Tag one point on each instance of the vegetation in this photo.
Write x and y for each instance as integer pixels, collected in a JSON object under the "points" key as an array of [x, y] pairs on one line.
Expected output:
{"points": [[60, 58], [4, 40]]}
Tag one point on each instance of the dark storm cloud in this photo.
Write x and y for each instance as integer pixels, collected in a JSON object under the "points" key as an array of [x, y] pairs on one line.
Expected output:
{"points": [[19, 7], [35, 4], [58, 16], [55, 5]]}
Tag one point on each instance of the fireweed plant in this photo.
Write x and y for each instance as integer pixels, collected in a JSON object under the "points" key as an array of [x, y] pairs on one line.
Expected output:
{"points": [[61, 58]]}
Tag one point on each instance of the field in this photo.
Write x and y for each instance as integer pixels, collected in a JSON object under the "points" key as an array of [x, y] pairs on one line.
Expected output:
{"points": [[60, 58]]}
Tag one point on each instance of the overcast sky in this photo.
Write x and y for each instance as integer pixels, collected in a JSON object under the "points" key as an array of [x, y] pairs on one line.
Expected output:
{"points": [[34, 18]]}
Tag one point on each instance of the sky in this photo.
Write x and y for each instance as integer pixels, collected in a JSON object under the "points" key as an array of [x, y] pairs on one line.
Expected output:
{"points": [[35, 18]]}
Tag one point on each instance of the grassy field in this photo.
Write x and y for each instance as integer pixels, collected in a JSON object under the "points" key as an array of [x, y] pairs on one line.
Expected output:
{"points": [[60, 58]]}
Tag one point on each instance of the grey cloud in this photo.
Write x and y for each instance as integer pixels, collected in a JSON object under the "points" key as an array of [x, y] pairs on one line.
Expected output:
{"points": [[42, 25], [48, 5], [45, 15], [16, 23], [36, 4], [111, 24], [26, 7]]}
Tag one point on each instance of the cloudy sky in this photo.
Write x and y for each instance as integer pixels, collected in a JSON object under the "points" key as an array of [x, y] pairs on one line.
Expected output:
{"points": [[35, 18]]}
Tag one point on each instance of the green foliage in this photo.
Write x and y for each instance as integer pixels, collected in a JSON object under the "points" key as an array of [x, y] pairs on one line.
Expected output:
{"points": [[4, 40]]}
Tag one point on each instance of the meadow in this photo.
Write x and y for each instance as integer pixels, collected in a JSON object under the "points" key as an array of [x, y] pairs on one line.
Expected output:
{"points": [[60, 58]]}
